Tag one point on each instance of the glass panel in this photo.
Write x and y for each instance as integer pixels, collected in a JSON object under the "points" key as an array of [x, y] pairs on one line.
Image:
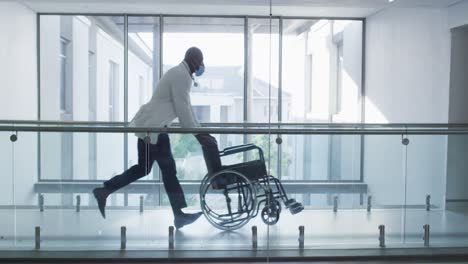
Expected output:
{"points": [[395, 176], [314, 177], [19, 196], [143, 60], [80, 156], [449, 228], [321, 70], [427, 166], [436, 169], [82, 68], [322, 159], [8, 232], [263, 70], [218, 97], [384, 174]]}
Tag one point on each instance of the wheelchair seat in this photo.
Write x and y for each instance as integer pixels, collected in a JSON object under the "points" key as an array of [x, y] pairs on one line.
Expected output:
{"points": [[253, 170]]}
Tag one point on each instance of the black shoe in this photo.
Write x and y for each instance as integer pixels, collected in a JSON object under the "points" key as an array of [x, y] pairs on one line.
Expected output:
{"points": [[101, 196], [185, 219]]}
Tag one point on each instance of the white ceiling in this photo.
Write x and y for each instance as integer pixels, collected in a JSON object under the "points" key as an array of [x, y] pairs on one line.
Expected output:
{"points": [[339, 8]]}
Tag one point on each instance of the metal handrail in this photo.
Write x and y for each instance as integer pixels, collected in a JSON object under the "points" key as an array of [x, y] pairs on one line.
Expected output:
{"points": [[313, 129], [243, 124]]}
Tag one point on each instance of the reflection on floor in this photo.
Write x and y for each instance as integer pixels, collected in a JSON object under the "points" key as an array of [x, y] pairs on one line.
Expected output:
{"points": [[86, 230]]}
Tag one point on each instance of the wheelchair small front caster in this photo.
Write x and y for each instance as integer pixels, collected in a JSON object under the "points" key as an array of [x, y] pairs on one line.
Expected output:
{"points": [[277, 206], [270, 215]]}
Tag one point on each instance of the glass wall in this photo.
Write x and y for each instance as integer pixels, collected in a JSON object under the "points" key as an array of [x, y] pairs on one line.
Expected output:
{"points": [[404, 188], [285, 81], [258, 70]]}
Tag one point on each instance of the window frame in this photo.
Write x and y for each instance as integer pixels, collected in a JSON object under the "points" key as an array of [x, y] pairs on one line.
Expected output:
{"points": [[246, 49]]}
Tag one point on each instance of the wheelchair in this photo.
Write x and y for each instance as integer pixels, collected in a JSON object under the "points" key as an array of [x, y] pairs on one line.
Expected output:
{"points": [[231, 197]]}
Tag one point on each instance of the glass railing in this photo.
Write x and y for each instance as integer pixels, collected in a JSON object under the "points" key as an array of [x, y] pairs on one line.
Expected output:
{"points": [[361, 186]]}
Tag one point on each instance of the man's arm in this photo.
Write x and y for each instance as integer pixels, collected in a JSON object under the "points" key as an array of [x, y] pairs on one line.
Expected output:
{"points": [[182, 104]]}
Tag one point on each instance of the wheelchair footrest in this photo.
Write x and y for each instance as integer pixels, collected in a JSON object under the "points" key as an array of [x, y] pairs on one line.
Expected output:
{"points": [[289, 202], [296, 208]]}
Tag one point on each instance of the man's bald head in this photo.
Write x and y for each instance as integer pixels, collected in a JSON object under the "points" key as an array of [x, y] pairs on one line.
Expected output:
{"points": [[194, 58]]}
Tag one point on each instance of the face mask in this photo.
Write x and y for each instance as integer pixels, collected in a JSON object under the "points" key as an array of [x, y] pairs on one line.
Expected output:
{"points": [[200, 70]]}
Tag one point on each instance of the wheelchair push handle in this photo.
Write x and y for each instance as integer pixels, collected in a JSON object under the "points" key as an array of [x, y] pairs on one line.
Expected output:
{"points": [[241, 148]]}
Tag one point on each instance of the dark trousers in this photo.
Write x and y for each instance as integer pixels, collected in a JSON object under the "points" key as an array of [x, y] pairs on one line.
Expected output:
{"points": [[210, 152], [162, 154]]}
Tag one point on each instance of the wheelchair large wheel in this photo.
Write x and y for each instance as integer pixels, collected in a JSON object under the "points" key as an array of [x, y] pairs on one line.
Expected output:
{"points": [[228, 199]]}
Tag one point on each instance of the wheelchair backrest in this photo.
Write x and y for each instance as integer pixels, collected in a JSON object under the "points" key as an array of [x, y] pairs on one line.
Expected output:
{"points": [[253, 169]]}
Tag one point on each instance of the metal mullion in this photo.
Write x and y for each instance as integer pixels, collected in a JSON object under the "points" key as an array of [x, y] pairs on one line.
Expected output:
{"points": [[323, 17], [363, 73], [79, 14], [195, 15], [246, 64], [125, 98], [161, 31], [280, 71], [362, 98], [246, 71], [38, 62], [125, 68], [38, 77], [280, 92], [161, 64], [201, 15]]}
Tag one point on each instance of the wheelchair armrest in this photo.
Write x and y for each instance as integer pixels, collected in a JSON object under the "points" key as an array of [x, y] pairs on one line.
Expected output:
{"points": [[241, 148], [236, 147]]}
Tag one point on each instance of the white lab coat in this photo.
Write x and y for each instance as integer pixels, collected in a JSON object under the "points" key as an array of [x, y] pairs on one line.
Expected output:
{"points": [[170, 100]]}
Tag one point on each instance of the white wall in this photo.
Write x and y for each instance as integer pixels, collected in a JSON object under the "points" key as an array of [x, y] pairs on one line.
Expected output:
{"points": [[407, 80], [407, 66], [18, 76], [18, 100]]}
